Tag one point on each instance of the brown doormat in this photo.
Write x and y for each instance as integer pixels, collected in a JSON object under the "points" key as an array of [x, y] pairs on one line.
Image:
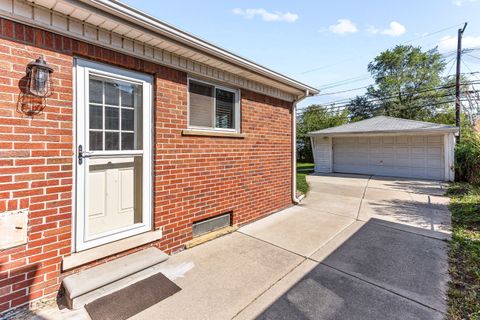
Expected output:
{"points": [[124, 303]]}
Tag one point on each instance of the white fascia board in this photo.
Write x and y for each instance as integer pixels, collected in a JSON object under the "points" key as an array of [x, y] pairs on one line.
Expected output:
{"points": [[146, 21], [385, 133]]}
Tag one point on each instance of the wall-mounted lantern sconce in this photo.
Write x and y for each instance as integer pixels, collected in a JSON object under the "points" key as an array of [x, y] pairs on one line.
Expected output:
{"points": [[39, 86], [39, 81]]}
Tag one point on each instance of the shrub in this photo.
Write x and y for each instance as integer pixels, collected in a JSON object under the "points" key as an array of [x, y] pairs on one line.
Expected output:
{"points": [[467, 158]]}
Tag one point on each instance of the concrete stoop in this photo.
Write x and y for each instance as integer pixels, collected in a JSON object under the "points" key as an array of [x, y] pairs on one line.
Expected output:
{"points": [[90, 284]]}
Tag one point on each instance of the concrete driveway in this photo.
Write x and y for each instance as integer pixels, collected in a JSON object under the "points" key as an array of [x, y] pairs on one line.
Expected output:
{"points": [[374, 248], [358, 247]]}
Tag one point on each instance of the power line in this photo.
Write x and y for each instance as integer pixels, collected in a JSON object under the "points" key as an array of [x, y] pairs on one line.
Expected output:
{"points": [[364, 87], [471, 71], [396, 94], [345, 104], [450, 70], [344, 82], [375, 110], [472, 56], [365, 76], [356, 57]]}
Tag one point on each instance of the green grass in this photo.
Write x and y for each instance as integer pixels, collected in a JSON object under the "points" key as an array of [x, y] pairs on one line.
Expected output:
{"points": [[464, 254], [303, 169], [305, 166]]}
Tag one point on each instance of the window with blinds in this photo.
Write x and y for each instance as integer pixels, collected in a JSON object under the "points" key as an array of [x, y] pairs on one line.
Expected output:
{"points": [[212, 107]]}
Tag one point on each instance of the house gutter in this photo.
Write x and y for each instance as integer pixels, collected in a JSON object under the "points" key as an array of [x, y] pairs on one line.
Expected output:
{"points": [[294, 148]]}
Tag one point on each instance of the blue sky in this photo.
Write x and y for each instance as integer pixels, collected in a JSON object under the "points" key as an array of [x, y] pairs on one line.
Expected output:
{"points": [[324, 43]]}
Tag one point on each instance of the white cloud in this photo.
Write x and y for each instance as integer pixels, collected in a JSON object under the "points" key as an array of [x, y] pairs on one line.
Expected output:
{"points": [[461, 2], [448, 43], [343, 26], [373, 30], [266, 15], [395, 29]]}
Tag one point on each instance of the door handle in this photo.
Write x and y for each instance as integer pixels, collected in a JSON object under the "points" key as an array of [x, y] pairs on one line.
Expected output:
{"points": [[82, 154]]}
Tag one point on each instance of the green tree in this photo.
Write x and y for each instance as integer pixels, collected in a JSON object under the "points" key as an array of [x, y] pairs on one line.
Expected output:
{"points": [[361, 108], [408, 84], [315, 117]]}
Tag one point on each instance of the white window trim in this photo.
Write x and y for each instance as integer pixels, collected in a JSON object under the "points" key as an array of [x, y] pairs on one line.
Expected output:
{"points": [[238, 115], [82, 69]]}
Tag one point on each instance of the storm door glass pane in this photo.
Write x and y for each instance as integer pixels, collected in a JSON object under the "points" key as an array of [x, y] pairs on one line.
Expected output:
{"points": [[115, 114], [128, 117], [96, 117], [112, 140], [111, 118], [96, 91], [112, 94], [96, 140]]}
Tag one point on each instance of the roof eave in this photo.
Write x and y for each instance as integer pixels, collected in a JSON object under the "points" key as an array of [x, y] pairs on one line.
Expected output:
{"points": [[124, 11], [370, 133]]}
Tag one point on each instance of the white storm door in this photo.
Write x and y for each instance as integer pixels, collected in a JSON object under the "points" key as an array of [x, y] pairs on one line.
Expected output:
{"points": [[113, 157]]}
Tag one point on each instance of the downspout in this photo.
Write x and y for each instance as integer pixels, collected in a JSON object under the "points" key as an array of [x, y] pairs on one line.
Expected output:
{"points": [[294, 148]]}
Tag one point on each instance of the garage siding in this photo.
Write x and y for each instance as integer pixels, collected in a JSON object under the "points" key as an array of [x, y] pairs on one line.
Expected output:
{"points": [[403, 156], [322, 154]]}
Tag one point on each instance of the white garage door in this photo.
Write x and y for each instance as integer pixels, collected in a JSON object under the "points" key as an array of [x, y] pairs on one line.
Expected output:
{"points": [[398, 156]]}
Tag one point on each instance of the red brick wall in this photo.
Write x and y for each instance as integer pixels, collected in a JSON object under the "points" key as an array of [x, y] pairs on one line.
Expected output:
{"points": [[195, 177]]}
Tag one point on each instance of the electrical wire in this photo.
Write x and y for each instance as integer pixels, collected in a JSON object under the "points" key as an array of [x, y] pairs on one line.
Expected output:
{"points": [[356, 57], [399, 93], [343, 106]]}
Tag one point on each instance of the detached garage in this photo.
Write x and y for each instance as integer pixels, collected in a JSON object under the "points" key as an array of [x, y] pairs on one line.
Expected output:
{"points": [[387, 146]]}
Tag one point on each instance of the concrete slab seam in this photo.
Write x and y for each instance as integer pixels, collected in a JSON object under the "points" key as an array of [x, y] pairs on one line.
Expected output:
{"points": [[330, 239], [272, 244], [269, 287], [363, 197], [403, 230]]}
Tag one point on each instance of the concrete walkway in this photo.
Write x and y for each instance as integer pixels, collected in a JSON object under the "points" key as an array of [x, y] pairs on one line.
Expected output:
{"points": [[358, 247]]}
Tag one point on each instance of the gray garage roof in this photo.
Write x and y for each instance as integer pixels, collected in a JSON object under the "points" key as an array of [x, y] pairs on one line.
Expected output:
{"points": [[384, 124]]}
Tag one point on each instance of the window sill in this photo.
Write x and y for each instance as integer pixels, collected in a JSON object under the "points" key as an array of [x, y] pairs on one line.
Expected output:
{"points": [[212, 133], [83, 257]]}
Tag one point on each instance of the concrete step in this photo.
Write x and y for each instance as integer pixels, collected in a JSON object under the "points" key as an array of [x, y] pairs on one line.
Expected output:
{"points": [[90, 284]]}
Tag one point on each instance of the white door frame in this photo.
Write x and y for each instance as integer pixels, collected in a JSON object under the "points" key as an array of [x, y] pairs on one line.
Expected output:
{"points": [[83, 68]]}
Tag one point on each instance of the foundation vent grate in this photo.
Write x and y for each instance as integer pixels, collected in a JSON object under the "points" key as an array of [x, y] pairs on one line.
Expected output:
{"points": [[211, 224]]}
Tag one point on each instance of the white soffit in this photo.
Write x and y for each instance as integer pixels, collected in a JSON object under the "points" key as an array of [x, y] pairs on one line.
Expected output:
{"points": [[80, 20]]}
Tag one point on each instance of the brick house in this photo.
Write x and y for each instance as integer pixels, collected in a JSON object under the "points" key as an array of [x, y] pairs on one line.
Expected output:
{"points": [[148, 131]]}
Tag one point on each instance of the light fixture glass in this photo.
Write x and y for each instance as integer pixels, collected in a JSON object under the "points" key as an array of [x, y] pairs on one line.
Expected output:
{"points": [[39, 78]]}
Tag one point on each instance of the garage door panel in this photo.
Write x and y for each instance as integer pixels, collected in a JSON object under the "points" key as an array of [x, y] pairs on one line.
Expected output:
{"points": [[345, 140], [402, 162], [435, 174], [363, 141], [402, 140], [418, 140], [381, 161], [360, 158], [434, 151], [403, 156], [388, 140], [375, 140], [387, 151], [417, 162], [434, 139], [344, 148], [402, 151]]}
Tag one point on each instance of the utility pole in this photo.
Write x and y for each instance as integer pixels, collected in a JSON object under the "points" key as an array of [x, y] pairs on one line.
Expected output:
{"points": [[457, 81]]}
